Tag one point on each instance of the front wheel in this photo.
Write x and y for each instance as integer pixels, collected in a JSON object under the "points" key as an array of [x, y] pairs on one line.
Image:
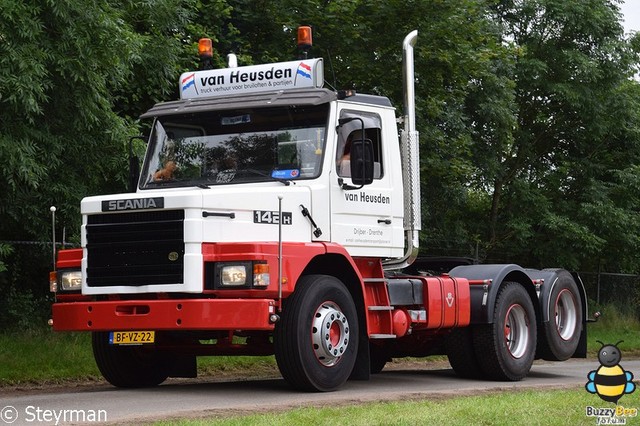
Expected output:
{"points": [[506, 348], [316, 340]]}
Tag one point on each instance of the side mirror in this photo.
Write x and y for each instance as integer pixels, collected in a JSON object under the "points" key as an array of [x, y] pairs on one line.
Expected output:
{"points": [[362, 162]]}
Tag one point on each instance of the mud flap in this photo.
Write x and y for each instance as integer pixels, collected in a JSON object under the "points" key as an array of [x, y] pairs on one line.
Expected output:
{"points": [[362, 368], [183, 366]]}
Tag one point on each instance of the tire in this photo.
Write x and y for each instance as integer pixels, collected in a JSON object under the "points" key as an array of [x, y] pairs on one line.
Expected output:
{"points": [[560, 336], [308, 358], [461, 353], [506, 348], [128, 366]]}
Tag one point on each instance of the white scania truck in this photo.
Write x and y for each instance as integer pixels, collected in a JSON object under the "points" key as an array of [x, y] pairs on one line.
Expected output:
{"points": [[275, 216]]}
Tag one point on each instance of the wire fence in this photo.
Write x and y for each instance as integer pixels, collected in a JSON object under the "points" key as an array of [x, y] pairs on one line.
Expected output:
{"points": [[62, 244], [621, 291]]}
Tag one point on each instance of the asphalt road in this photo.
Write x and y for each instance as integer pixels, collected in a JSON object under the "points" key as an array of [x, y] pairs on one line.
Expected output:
{"points": [[198, 398]]}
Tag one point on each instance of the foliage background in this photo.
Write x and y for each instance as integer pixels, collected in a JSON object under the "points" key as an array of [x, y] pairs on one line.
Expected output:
{"points": [[528, 112]]}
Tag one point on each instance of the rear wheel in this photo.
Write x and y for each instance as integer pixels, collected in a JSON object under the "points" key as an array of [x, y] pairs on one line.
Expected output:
{"points": [[129, 366], [506, 348], [559, 337], [316, 340]]}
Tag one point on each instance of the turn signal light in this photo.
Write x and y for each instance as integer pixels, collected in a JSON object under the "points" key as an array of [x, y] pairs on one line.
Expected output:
{"points": [[53, 281], [261, 275]]}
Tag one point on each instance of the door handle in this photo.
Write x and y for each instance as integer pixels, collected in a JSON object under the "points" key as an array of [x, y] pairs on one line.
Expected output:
{"points": [[385, 221]]}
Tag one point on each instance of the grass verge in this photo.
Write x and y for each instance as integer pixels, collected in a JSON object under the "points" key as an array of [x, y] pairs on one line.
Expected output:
{"points": [[41, 357], [530, 407], [614, 327]]}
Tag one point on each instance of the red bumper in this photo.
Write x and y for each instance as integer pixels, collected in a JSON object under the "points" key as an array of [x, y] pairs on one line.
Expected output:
{"points": [[187, 314]]}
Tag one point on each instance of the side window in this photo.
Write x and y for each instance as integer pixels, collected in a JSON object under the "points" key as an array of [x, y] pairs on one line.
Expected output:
{"points": [[343, 160], [352, 131]]}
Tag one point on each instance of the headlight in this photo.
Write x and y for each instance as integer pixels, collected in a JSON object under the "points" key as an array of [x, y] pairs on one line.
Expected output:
{"points": [[233, 275], [70, 280]]}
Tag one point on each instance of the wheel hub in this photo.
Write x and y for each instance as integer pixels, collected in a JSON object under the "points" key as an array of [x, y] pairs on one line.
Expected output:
{"points": [[516, 332], [330, 334], [566, 317]]}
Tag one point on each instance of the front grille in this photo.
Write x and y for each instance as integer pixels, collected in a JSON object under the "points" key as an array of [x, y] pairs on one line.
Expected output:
{"points": [[135, 248]]}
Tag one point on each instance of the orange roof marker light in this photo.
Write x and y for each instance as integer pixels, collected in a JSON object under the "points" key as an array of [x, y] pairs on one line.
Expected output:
{"points": [[305, 40], [205, 52], [205, 48]]}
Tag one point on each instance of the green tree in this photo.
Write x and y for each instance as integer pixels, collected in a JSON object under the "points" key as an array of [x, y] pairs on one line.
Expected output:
{"points": [[559, 184], [72, 74]]}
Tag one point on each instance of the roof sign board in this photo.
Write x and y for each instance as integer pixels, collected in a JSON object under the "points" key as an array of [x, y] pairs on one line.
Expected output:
{"points": [[256, 78]]}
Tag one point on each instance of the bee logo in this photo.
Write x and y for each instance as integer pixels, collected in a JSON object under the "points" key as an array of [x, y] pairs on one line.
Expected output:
{"points": [[610, 381]]}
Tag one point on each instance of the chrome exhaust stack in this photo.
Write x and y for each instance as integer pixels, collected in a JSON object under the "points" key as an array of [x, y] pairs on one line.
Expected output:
{"points": [[410, 152]]}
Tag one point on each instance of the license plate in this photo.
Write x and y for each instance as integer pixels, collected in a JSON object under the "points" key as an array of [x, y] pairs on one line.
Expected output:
{"points": [[131, 337]]}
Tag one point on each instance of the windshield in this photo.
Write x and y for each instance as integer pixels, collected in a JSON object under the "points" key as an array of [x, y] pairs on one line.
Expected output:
{"points": [[236, 146]]}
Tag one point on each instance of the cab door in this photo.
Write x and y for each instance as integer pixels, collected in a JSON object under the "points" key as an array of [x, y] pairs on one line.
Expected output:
{"points": [[367, 218]]}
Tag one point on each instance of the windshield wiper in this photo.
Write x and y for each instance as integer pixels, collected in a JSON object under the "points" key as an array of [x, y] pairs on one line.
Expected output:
{"points": [[171, 182], [284, 181], [175, 183]]}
